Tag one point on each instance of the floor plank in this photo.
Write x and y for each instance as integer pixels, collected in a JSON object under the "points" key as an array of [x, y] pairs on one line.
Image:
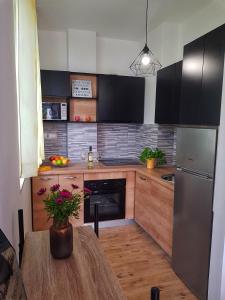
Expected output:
{"points": [[140, 264]]}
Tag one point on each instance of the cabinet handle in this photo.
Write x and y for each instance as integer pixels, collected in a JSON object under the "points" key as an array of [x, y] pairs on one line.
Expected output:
{"points": [[143, 178], [70, 177], [45, 178]]}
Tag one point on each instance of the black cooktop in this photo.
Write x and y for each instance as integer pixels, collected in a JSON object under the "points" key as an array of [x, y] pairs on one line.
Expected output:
{"points": [[120, 161]]}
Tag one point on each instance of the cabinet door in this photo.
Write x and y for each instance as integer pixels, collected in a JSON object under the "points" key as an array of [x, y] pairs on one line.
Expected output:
{"points": [[106, 108], [55, 83], [154, 210], [129, 99], [162, 200], [66, 182], [212, 80], [142, 212], [191, 86], [121, 99], [168, 94], [40, 218]]}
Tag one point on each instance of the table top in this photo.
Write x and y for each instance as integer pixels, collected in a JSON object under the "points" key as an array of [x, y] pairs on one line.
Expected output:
{"points": [[85, 275]]}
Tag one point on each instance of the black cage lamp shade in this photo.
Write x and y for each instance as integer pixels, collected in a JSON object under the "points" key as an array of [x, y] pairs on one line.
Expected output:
{"points": [[145, 64]]}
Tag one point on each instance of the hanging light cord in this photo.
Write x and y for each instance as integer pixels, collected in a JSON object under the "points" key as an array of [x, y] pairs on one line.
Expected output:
{"points": [[146, 25]]}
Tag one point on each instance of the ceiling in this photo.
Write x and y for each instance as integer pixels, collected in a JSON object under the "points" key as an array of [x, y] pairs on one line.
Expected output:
{"points": [[122, 19]]}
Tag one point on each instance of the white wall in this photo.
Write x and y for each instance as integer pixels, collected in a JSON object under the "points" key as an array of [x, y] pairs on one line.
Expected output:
{"points": [[10, 197], [222, 295], [203, 21], [53, 50], [115, 56], [25, 204], [216, 267], [9, 171], [81, 51], [172, 50], [154, 42]]}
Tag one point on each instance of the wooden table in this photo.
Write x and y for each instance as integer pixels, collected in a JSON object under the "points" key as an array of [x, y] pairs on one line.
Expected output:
{"points": [[84, 276]]}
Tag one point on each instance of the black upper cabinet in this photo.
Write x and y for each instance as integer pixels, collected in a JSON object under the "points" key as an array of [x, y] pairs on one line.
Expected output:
{"points": [[120, 99], [202, 76], [55, 83], [191, 86], [212, 79], [168, 94]]}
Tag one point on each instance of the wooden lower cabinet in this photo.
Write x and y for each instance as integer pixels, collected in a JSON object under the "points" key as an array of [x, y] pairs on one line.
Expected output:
{"points": [[40, 218], [154, 210], [66, 182]]}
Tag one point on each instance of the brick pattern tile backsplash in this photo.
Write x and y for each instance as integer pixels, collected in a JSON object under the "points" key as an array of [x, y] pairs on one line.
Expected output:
{"points": [[80, 137], [110, 140], [55, 138], [117, 140]]}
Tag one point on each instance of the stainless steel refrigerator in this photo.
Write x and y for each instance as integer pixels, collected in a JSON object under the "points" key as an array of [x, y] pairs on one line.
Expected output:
{"points": [[193, 207]]}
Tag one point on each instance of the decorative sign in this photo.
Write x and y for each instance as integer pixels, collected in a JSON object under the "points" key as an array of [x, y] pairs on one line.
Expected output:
{"points": [[81, 88]]}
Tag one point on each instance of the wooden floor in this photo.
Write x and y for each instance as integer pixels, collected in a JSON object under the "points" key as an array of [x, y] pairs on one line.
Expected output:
{"points": [[140, 264]]}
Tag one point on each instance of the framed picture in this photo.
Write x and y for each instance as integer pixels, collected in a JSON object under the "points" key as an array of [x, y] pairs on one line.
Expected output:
{"points": [[81, 88]]}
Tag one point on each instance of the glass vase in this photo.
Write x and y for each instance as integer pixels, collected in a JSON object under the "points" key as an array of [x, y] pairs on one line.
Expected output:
{"points": [[61, 239]]}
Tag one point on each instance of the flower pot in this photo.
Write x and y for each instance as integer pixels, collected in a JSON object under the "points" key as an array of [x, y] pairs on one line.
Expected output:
{"points": [[151, 163], [61, 239]]}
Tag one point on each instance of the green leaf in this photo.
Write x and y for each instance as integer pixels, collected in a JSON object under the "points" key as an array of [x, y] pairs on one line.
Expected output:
{"points": [[148, 153]]}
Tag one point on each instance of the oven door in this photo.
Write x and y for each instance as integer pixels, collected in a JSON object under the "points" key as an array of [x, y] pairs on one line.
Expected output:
{"points": [[109, 195]]}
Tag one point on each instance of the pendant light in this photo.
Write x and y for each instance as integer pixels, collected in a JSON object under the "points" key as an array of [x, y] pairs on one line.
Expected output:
{"points": [[145, 64]]}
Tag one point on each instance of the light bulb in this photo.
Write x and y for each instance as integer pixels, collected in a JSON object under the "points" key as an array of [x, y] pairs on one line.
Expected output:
{"points": [[145, 59]]}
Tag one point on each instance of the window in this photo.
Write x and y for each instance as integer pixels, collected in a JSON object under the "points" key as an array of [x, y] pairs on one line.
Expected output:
{"points": [[28, 88]]}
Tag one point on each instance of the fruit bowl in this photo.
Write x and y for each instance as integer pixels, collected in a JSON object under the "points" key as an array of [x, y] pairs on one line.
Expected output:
{"points": [[59, 161]]}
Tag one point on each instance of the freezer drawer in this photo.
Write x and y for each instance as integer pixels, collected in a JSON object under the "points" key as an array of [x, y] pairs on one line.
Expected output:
{"points": [[196, 149], [192, 230]]}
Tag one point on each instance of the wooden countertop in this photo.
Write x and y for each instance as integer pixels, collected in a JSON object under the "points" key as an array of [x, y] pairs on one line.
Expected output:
{"points": [[84, 275], [81, 168], [156, 173]]}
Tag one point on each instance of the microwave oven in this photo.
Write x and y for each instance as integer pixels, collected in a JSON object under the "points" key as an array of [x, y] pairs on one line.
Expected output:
{"points": [[54, 111]]}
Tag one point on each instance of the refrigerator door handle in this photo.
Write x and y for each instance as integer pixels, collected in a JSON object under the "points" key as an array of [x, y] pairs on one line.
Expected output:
{"points": [[203, 176]]}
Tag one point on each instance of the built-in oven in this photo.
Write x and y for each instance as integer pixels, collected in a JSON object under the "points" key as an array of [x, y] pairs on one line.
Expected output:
{"points": [[110, 196]]}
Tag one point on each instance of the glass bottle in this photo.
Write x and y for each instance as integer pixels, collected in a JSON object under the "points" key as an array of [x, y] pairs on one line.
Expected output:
{"points": [[90, 158]]}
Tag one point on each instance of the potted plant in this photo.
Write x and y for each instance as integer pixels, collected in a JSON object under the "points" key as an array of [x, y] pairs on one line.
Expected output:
{"points": [[60, 205], [152, 157]]}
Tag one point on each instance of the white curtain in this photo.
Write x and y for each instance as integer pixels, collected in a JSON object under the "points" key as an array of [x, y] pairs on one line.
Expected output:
{"points": [[28, 88]]}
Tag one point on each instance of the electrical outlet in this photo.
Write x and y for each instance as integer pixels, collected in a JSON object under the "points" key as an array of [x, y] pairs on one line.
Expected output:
{"points": [[50, 136]]}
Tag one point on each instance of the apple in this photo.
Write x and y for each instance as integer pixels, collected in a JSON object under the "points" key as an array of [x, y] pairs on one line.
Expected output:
{"points": [[58, 162]]}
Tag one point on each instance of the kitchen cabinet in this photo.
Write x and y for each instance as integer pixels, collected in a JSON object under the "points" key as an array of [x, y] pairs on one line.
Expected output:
{"points": [[66, 182], [55, 83], [168, 94], [120, 99], [202, 76], [212, 80], [83, 109], [40, 218], [154, 210]]}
